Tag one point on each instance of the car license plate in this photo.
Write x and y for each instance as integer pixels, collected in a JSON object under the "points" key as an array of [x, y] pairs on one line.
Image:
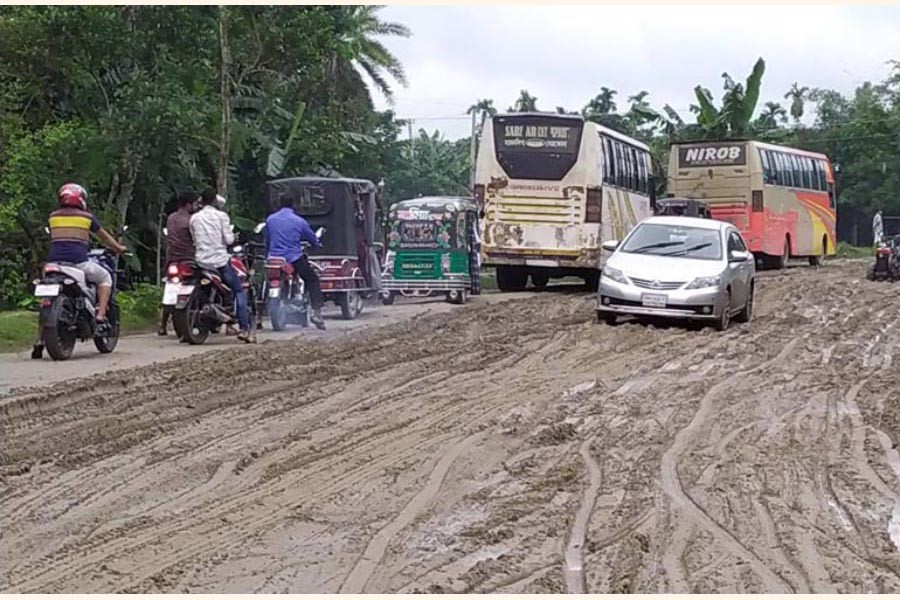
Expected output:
{"points": [[274, 292], [654, 300], [43, 290], [173, 290]]}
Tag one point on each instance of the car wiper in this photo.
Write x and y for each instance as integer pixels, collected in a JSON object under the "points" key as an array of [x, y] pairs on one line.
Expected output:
{"points": [[684, 251], [653, 246]]}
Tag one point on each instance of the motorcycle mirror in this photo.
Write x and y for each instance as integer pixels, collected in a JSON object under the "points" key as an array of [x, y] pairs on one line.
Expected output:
{"points": [[238, 249], [259, 227], [320, 232], [165, 231], [47, 230], [125, 228]]}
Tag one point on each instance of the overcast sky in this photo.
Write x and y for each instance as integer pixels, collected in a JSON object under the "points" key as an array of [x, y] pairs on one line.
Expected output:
{"points": [[564, 54]]}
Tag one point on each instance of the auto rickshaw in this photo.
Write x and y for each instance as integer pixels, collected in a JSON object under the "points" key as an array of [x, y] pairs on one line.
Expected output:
{"points": [[432, 249], [347, 264]]}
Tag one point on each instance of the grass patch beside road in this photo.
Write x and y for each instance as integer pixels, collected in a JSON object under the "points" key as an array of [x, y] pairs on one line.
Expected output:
{"points": [[845, 250], [140, 312]]}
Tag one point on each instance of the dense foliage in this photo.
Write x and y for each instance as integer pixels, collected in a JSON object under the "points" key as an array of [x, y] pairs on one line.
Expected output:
{"points": [[138, 102]]}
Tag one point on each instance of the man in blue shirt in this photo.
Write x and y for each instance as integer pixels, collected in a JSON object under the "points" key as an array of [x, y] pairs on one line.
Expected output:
{"points": [[285, 230]]}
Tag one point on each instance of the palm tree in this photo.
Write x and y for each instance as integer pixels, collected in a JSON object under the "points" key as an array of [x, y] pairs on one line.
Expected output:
{"points": [[358, 51], [601, 104], [771, 116], [483, 108], [525, 103], [798, 97]]}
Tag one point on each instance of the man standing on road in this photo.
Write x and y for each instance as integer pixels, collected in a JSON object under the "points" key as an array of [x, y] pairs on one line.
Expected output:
{"points": [[285, 230], [878, 228], [211, 230], [179, 243]]}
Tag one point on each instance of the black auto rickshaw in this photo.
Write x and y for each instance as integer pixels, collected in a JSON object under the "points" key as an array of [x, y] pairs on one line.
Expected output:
{"points": [[682, 207], [347, 264], [432, 249]]}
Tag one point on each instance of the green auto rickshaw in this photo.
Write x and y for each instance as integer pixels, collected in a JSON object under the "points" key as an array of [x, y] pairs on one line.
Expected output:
{"points": [[432, 249]]}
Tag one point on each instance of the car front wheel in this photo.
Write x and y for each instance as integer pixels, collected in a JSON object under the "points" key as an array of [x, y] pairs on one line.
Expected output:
{"points": [[724, 320]]}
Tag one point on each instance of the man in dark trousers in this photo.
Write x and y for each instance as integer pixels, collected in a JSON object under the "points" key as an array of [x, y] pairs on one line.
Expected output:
{"points": [[179, 243], [285, 230]]}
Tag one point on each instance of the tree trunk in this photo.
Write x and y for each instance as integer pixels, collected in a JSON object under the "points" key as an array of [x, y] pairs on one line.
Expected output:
{"points": [[225, 131], [126, 191]]}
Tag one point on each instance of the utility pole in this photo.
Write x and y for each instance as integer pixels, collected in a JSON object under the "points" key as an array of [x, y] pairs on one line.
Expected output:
{"points": [[472, 155]]}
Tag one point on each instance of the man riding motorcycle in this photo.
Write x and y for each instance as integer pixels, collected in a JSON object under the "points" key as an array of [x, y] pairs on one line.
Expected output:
{"points": [[284, 232], [71, 226], [211, 231], [179, 243]]}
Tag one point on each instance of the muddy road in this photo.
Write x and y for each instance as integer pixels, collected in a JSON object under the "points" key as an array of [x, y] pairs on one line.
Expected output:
{"points": [[513, 446]]}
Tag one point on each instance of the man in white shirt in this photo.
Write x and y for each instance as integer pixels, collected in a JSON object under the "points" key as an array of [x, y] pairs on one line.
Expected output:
{"points": [[878, 228], [211, 231]]}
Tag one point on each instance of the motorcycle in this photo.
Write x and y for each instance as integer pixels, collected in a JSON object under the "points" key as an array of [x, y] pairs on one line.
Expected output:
{"points": [[68, 311], [287, 300], [206, 304], [887, 261]]}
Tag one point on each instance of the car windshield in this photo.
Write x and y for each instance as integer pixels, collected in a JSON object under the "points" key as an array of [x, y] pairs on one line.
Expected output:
{"points": [[674, 240]]}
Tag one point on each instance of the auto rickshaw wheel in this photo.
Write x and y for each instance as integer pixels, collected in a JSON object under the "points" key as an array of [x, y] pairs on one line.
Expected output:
{"points": [[389, 299], [351, 305]]}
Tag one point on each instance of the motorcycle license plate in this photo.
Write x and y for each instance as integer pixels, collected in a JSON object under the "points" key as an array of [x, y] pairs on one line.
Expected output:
{"points": [[274, 292], [173, 290], [44, 290], [654, 300]]}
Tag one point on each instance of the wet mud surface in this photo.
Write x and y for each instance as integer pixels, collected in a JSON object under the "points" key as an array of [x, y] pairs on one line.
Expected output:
{"points": [[512, 446]]}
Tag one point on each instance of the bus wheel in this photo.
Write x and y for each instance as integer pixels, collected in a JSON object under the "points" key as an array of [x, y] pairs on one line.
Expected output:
{"points": [[780, 262], [816, 261], [539, 279], [511, 279], [592, 281]]}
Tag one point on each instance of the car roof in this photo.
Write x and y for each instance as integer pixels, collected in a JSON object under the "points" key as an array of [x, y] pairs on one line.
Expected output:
{"points": [[687, 222]]}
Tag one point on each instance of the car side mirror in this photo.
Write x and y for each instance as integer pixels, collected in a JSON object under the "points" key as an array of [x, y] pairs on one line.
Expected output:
{"points": [[610, 245], [738, 256]]}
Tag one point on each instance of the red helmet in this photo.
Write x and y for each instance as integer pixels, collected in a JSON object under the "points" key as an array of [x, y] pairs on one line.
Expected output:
{"points": [[73, 195]]}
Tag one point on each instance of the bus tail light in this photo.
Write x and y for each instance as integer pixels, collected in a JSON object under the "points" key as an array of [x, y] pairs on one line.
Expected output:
{"points": [[478, 192], [593, 210], [757, 201]]}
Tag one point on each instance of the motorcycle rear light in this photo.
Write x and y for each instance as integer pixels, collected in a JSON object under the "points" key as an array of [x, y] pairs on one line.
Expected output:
{"points": [[172, 271], [47, 302], [883, 251], [51, 269], [185, 270], [174, 278]]}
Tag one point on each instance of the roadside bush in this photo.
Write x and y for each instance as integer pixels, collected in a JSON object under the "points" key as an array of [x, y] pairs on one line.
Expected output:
{"points": [[139, 305]]}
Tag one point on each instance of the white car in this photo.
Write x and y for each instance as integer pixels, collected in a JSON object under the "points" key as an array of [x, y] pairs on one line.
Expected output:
{"points": [[681, 267]]}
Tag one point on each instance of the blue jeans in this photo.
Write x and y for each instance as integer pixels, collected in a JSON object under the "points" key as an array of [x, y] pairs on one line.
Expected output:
{"points": [[230, 276]]}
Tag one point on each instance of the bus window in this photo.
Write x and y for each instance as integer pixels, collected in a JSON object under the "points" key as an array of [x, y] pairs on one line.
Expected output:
{"points": [[642, 173], [766, 167], [795, 165], [814, 174], [632, 168], [780, 171], [823, 181], [620, 164], [788, 179], [611, 158], [605, 157], [806, 167]]}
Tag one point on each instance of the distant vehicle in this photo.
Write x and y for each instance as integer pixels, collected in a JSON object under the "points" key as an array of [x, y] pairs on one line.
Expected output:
{"points": [[887, 254], [682, 207], [431, 249], [551, 188], [681, 267], [781, 199]]}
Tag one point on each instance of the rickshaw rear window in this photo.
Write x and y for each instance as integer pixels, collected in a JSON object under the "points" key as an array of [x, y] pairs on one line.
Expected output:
{"points": [[418, 231], [312, 201]]}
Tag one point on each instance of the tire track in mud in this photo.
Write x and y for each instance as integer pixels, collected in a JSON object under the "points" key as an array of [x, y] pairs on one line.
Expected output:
{"points": [[358, 578], [574, 561], [671, 481]]}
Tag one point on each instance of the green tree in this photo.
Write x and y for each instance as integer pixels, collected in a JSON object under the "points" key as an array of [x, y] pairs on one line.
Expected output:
{"points": [[798, 96], [525, 103]]}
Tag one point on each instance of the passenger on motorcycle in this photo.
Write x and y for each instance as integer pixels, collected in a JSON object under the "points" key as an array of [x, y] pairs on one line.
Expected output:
{"points": [[211, 231], [179, 243], [71, 226], [285, 230]]}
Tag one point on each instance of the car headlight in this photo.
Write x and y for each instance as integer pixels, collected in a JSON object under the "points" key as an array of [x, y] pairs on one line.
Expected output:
{"points": [[705, 282], [614, 274]]}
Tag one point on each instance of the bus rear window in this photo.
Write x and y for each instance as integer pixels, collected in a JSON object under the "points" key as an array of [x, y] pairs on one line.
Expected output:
{"points": [[537, 147]]}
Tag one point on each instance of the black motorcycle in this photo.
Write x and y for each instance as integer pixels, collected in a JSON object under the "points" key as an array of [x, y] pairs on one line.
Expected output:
{"points": [[68, 311]]}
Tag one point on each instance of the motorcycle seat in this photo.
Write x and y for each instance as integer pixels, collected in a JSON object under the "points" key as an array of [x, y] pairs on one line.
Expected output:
{"points": [[70, 270]]}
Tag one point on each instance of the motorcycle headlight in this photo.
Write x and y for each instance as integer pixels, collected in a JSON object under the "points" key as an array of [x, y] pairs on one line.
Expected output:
{"points": [[614, 274], [705, 282]]}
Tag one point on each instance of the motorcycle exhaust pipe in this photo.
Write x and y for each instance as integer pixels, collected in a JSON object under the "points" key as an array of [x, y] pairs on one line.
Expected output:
{"points": [[214, 313]]}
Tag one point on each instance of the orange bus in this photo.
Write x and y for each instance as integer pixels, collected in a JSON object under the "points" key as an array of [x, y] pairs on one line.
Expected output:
{"points": [[781, 199]]}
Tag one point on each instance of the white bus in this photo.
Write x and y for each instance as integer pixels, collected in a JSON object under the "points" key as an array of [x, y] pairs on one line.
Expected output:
{"points": [[551, 188]]}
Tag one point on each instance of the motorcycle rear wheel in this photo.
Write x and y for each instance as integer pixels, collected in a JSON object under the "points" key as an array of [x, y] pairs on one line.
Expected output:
{"points": [[60, 342], [187, 320], [277, 314]]}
